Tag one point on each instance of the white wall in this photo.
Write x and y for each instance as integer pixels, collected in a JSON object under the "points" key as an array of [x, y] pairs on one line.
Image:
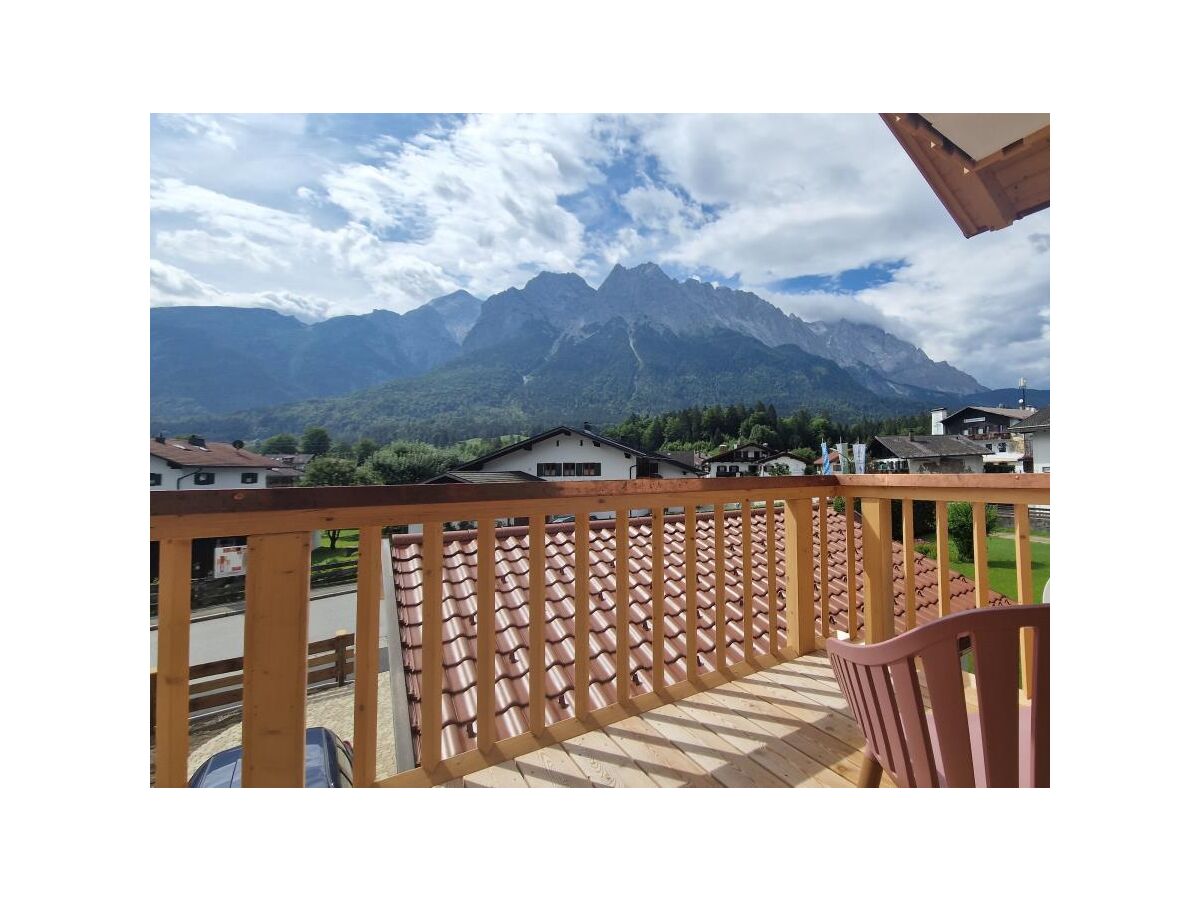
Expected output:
{"points": [[615, 465], [1039, 445], [225, 478]]}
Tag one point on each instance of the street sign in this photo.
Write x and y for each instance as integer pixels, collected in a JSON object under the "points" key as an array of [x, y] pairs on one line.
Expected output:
{"points": [[229, 561]]}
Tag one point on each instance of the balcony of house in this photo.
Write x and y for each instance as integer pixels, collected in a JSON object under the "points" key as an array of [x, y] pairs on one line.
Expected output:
{"points": [[705, 631]]}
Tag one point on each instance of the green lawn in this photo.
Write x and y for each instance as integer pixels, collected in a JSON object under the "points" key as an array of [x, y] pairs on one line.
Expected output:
{"points": [[1002, 566], [347, 547]]}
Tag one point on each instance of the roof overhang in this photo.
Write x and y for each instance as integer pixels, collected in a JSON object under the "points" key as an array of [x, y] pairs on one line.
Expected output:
{"points": [[988, 169]]}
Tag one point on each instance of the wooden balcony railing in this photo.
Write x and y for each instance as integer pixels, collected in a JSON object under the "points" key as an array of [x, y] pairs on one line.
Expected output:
{"points": [[280, 524]]}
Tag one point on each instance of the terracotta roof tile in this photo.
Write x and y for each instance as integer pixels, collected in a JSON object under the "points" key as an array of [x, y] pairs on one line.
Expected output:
{"points": [[459, 607]]}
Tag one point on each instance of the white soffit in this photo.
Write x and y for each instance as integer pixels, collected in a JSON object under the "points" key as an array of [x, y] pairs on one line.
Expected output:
{"points": [[982, 134]]}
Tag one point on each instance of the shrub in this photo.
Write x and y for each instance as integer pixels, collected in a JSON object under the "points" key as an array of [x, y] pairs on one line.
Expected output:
{"points": [[959, 521], [926, 549]]}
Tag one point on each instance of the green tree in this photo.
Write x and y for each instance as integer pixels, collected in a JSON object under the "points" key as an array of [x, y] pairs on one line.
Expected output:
{"points": [[409, 462], [280, 443], [316, 441], [363, 450], [959, 524], [331, 471]]}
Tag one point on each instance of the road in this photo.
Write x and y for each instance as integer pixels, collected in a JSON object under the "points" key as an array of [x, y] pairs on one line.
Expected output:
{"points": [[222, 638]]}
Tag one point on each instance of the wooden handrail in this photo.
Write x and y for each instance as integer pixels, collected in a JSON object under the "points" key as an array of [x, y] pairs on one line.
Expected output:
{"points": [[278, 522]]}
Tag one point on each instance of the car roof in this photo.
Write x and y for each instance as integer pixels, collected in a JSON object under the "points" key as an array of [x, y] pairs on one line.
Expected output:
{"points": [[224, 769]]}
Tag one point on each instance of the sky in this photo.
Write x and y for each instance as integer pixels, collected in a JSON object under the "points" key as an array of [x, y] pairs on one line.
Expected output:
{"points": [[825, 216]]}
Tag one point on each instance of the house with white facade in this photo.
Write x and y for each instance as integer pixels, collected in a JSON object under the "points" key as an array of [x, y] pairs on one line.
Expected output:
{"points": [[188, 464], [794, 465], [741, 460], [1036, 430], [567, 454], [925, 453]]}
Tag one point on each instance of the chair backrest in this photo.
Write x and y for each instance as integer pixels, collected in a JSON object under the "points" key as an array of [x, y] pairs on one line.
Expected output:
{"points": [[880, 683]]}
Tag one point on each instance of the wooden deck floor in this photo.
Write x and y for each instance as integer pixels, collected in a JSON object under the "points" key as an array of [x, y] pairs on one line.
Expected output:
{"points": [[786, 726]]}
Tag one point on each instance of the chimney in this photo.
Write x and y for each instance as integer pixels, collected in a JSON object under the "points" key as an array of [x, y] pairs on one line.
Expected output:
{"points": [[161, 438], [937, 416], [196, 441], [587, 426]]}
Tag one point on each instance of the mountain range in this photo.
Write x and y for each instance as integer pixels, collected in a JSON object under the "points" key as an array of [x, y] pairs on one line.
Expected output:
{"points": [[554, 350]]}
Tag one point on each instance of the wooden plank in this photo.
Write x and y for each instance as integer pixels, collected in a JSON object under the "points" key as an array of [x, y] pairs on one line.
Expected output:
{"points": [[747, 579], [276, 648], [878, 589], [503, 775], [662, 761], [823, 555], [979, 543], [851, 570], [657, 604], [551, 767], [431, 643], [1024, 564], [773, 579], [788, 736], [720, 629], [720, 759], [485, 635], [604, 763], [910, 564], [172, 687], [537, 625], [690, 591], [943, 558], [621, 573], [366, 631]]}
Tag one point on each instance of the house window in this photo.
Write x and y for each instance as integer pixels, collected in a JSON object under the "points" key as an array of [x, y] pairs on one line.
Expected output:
{"points": [[1046, 469], [589, 469], [549, 470], [568, 470], [249, 478], [155, 479], [205, 477]]}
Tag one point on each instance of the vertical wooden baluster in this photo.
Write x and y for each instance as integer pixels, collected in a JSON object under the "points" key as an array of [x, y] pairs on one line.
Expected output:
{"points": [[878, 589], [1024, 563], [943, 559], [432, 565], [798, 561], [537, 623], [174, 630], [275, 670], [719, 582], [772, 580], [485, 634], [823, 551], [747, 580], [910, 565], [583, 612], [621, 574], [851, 571], [979, 542], [657, 601], [692, 615], [366, 653]]}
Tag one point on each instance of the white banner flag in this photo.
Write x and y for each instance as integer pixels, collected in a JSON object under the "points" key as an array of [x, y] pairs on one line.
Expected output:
{"points": [[860, 459]]}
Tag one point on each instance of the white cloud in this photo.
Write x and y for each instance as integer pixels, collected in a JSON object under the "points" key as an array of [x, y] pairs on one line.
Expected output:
{"points": [[207, 127], [172, 286]]}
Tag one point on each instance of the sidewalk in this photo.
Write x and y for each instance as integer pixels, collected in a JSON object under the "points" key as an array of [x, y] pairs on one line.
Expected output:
{"points": [[222, 610]]}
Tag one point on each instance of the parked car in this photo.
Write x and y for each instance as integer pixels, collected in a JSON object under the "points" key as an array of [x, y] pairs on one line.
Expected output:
{"points": [[327, 764]]}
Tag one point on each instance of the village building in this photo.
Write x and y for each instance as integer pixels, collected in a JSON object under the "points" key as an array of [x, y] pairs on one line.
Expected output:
{"points": [[924, 453]]}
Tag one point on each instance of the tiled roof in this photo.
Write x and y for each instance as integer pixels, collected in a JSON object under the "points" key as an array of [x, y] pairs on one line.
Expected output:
{"points": [[461, 477], [1011, 412], [1040, 419], [459, 607], [923, 445], [213, 455]]}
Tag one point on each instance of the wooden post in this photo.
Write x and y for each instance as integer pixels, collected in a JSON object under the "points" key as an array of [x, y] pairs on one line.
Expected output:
{"points": [[798, 560], [339, 656], [943, 558], [823, 556], [851, 570], [172, 688], [621, 574], [980, 546], [877, 570], [485, 634], [690, 588], [658, 602], [537, 624], [910, 564], [747, 580], [583, 612], [276, 659], [432, 564], [772, 581], [366, 652], [719, 629], [1024, 563]]}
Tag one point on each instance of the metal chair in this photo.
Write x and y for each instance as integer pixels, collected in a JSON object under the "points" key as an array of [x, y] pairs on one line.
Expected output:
{"points": [[1005, 744]]}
